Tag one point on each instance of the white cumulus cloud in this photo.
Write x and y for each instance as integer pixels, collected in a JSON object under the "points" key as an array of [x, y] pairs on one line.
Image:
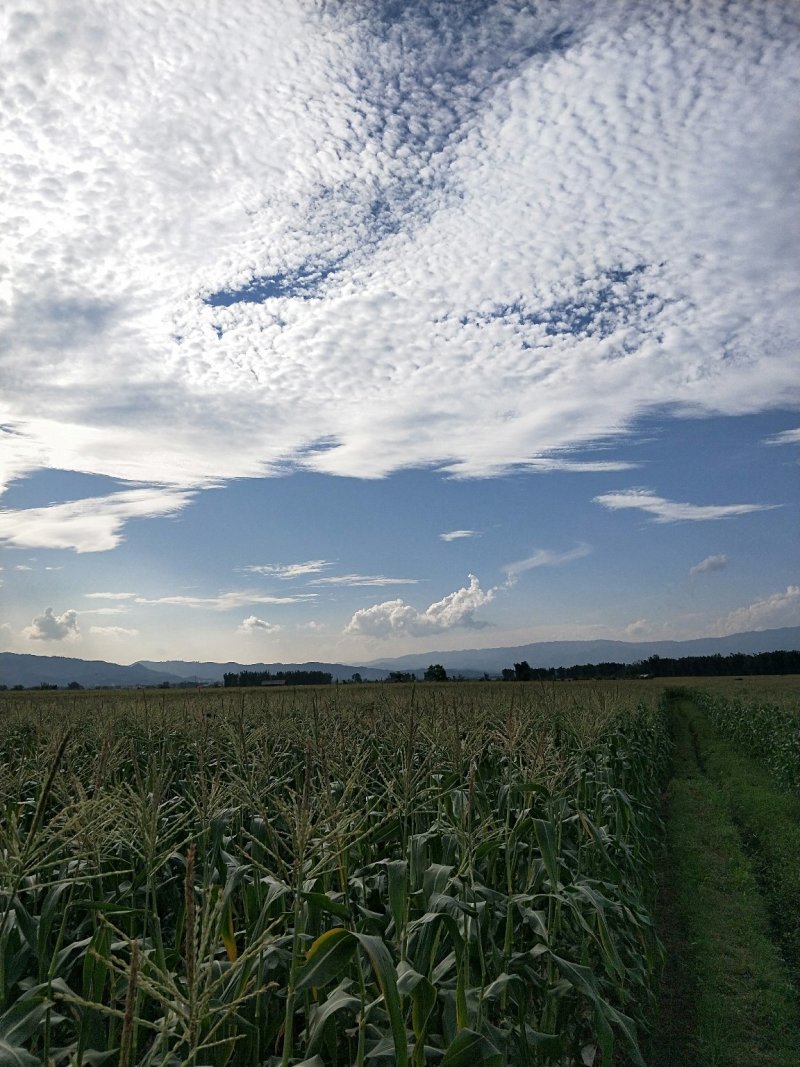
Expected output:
{"points": [[457, 535], [710, 563], [52, 627], [394, 617], [664, 510], [778, 609], [253, 625]]}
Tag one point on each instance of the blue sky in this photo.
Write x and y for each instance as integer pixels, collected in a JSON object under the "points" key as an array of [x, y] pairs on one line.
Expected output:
{"points": [[348, 330]]}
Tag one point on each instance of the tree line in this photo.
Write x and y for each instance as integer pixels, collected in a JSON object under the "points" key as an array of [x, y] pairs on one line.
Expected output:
{"points": [[244, 678], [737, 663]]}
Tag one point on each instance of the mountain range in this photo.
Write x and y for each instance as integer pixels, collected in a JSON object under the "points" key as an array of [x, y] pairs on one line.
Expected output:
{"points": [[30, 670], [569, 653]]}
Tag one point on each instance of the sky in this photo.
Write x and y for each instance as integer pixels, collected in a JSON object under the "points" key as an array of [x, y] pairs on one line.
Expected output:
{"points": [[344, 330]]}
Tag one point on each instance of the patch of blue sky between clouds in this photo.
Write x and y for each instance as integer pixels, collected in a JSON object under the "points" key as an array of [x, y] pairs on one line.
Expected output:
{"points": [[302, 283], [617, 299]]}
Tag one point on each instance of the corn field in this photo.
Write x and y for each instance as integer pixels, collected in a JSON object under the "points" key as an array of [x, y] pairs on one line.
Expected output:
{"points": [[374, 875], [768, 730]]}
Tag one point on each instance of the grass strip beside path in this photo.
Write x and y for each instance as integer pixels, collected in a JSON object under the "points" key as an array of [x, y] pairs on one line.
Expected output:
{"points": [[744, 1003], [769, 822]]}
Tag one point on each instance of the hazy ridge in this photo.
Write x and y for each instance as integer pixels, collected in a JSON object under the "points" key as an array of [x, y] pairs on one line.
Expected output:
{"points": [[30, 670]]}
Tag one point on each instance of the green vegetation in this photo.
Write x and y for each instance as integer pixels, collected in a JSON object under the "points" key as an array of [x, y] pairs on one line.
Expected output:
{"points": [[765, 729], [767, 818], [405, 876], [299, 677], [715, 666], [716, 914]]}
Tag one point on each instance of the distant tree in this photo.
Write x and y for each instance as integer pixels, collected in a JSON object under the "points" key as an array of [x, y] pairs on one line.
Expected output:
{"points": [[356, 677], [74, 685], [522, 671], [435, 673], [509, 674]]}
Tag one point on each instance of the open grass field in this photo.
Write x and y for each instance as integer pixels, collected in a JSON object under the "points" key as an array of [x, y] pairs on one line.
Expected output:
{"points": [[450, 874]]}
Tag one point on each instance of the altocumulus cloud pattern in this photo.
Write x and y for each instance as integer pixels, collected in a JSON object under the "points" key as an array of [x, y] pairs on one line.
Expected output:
{"points": [[355, 237]]}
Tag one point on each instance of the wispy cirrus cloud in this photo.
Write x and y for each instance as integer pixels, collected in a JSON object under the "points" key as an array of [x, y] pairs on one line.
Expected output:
{"points": [[458, 535], [710, 563], [786, 437], [395, 617], [664, 510], [113, 631], [225, 601], [367, 153], [586, 466], [357, 580], [544, 557], [94, 524], [109, 596], [288, 571]]}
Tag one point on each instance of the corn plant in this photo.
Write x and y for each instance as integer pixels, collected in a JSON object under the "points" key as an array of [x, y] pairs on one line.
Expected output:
{"points": [[449, 875]]}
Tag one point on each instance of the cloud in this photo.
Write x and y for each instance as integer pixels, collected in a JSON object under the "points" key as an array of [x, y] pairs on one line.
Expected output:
{"points": [[286, 571], [253, 625], [226, 601], [109, 596], [457, 535], [710, 563], [90, 525], [395, 617], [650, 630], [112, 631], [786, 437], [582, 466], [579, 213], [363, 580], [544, 557], [52, 627], [779, 609], [672, 511]]}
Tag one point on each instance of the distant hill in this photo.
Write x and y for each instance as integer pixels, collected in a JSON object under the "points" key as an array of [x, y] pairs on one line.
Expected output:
{"points": [[213, 672], [568, 653], [30, 671]]}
